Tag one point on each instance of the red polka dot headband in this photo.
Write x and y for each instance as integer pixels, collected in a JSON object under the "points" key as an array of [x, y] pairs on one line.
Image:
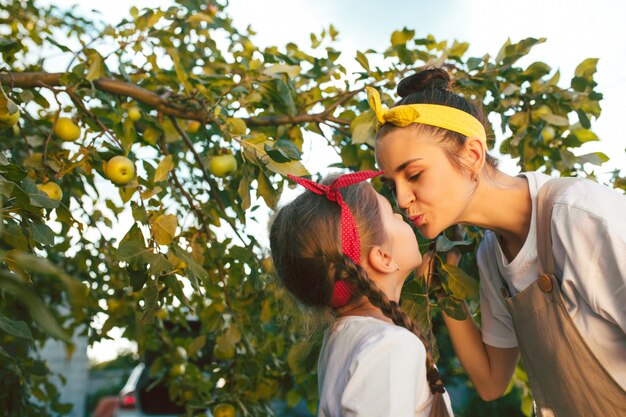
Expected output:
{"points": [[350, 240]]}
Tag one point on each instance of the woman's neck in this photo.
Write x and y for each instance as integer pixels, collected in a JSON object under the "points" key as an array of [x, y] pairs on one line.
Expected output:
{"points": [[502, 203]]}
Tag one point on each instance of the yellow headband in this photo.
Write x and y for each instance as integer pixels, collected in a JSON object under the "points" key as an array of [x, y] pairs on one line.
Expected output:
{"points": [[427, 114]]}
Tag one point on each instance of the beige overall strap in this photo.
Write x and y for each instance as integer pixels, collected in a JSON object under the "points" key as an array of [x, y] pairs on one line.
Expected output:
{"points": [[545, 202]]}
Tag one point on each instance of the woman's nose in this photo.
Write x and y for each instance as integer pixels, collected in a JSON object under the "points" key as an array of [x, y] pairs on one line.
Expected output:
{"points": [[404, 196]]}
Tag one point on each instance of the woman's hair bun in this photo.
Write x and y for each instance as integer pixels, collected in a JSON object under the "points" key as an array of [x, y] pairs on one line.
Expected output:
{"points": [[428, 79]]}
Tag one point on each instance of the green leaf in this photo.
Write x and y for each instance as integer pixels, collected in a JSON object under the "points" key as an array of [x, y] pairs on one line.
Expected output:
{"points": [[555, 120], [587, 68], [196, 345], [267, 191], [244, 192], [444, 244], [277, 155], [236, 126], [595, 158], [15, 328], [194, 269], [363, 128], [401, 37], [138, 278], [453, 308], [292, 71], [180, 71], [537, 70], [585, 135], [460, 284], [42, 233], [177, 289], [362, 59], [132, 252], [164, 228], [38, 311], [288, 148], [96, 67], [163, 169], [200, 17], [255, 148]]}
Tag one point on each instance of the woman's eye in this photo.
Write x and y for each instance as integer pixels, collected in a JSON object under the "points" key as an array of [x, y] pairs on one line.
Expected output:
{"points": [[415, 177]]}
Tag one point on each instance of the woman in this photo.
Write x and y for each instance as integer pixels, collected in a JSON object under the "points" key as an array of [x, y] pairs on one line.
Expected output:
{"points": [[432, 149], [340, 248]]}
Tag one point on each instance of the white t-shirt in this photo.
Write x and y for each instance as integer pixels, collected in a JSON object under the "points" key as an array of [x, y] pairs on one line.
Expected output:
{"points": [[368, 367], [589, 248]]}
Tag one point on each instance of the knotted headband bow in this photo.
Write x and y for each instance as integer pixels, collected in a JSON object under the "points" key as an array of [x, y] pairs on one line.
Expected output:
{"points": [[428, 114], [350, 240]]}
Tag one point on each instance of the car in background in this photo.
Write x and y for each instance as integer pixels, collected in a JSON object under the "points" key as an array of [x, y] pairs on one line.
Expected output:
{"points": [[141, 398]]}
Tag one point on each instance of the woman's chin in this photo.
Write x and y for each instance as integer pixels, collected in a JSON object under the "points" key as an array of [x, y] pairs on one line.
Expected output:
{"points": [[429, 232]]}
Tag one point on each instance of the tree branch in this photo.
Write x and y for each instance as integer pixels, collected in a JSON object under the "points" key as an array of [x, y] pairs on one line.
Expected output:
{"points": [[167, 107]]}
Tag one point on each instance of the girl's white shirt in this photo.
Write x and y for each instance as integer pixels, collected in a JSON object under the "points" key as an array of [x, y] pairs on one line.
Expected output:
{"points": [[589, 248], [368, 367]]}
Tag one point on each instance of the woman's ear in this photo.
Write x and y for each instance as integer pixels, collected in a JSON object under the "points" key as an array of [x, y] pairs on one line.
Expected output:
{"points": [[381, 261], [475, 154]]}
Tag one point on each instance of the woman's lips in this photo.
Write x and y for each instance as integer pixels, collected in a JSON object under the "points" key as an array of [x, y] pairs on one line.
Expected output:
{"points": [[417, 220]]}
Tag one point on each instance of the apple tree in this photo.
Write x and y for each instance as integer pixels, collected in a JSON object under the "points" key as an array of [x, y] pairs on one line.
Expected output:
{"points": [[137, 158]]}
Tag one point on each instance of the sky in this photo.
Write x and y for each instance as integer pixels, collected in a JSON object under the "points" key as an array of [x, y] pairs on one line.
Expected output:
{"points": [[575, 30]]}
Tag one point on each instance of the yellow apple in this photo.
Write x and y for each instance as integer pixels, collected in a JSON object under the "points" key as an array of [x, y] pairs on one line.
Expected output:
{"points": [[223, 165], [134, 113], [187, 395], [120, 170], [548, 133], [52, 190], [224, 410], [66, 129], [7, 119], [193, 126]]}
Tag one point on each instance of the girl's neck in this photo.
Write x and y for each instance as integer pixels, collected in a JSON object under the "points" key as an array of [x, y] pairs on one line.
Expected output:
{"points": [[363, 307], [502, 204]]}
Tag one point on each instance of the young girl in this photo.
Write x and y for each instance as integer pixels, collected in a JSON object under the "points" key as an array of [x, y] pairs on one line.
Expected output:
{"points": [[563, 312], [339, 246]]}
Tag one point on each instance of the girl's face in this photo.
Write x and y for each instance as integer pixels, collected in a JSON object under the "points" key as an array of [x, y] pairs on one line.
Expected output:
{"points": [[432, 192], [401, 239]]}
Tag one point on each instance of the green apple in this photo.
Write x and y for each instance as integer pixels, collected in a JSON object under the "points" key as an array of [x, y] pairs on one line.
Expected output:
{"points": [[223, 165], [66, 129], [52, 190], [178, 369], [224, 410], [134, 113], [548, 133], [120, 170], [193, 126]]}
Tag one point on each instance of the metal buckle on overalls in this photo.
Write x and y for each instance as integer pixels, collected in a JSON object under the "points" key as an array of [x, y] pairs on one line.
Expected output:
{"points": [[505, 292]]}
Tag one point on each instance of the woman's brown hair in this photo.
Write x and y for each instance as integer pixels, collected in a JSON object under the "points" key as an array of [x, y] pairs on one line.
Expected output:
{"points": [[434, 86], [305, 242]]}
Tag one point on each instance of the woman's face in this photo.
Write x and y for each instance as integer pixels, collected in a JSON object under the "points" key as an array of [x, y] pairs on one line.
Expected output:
{"points": [[431, 191]]}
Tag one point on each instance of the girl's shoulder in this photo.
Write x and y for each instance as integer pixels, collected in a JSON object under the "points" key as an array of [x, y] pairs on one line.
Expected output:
{"points": [[365, 334]]}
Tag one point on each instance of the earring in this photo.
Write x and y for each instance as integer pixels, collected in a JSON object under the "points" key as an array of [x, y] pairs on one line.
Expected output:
{"points": [[474, 176], [397, 267]]}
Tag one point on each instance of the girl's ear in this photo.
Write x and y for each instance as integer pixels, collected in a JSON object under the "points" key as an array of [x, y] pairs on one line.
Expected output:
{"points": [[380, 260], [475, 154]]}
